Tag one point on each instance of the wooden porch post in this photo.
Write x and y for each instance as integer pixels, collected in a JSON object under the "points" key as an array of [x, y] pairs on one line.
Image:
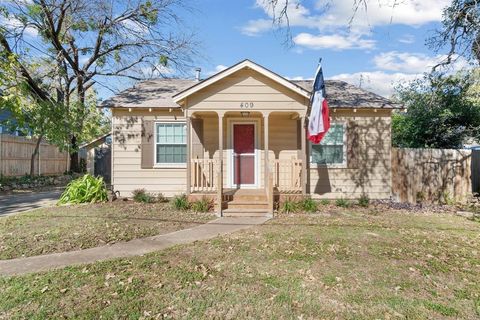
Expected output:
{"points": [[189, 154], [220, 163], [265, 144], [304, 155]]}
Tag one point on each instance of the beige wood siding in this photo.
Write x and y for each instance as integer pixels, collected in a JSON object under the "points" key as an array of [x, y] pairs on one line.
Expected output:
{"points": [[368, 168], [247, 86], [127, 174]]}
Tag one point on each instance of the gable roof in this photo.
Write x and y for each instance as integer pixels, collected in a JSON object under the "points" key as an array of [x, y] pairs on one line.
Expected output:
{"points": [[245, 64], [165, 93]]}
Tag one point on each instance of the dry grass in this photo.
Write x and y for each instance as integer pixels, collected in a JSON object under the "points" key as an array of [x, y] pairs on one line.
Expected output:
{"points": [[349, 264], [62, 229]]}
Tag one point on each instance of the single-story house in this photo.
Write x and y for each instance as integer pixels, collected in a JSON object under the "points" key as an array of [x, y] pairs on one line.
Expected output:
{"points": [[239, 137]]}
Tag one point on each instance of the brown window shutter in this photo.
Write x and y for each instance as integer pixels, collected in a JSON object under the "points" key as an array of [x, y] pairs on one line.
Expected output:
{"points": [[353, 145], [197, 139], [148, 144]]}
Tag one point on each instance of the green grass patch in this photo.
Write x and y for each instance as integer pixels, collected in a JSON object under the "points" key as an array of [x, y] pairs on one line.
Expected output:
{"points": [[344, 266], [67, 228], [441, 309]]}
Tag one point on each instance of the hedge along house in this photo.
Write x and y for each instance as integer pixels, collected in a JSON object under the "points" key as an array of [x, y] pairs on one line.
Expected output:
{"points": [[239, 138]]}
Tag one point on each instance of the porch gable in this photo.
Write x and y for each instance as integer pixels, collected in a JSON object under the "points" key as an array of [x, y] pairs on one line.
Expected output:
{"points": [[244, 86]]}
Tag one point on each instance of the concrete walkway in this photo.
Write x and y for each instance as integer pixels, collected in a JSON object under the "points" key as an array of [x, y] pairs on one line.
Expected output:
{"points": [[24, 201], [128, 249]]}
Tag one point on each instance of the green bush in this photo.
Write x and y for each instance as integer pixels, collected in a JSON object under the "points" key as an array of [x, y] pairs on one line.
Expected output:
{"points": [[141, 195], [180, 202], [203, 205], [341, 202], [289, 206], [324, 202], [86, 189], [308, 205], [364, 201]]}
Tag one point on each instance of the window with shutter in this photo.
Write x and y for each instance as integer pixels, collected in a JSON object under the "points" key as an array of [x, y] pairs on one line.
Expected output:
{"points": [[332, 148], [170, 143]]}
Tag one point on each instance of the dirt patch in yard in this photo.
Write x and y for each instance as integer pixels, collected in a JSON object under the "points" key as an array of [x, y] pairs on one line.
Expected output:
{"points": [[69, 228], [346, 264]]}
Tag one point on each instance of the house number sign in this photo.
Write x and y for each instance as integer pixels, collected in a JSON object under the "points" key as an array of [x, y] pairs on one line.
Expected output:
{"points": [[246, 105]]}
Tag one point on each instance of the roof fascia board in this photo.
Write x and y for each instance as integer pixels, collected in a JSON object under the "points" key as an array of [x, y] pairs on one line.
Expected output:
{"points": [[244, 64]]}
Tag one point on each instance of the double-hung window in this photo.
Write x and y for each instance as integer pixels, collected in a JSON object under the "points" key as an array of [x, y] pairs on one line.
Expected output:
{"points": [[171, 143], [332, 149]]}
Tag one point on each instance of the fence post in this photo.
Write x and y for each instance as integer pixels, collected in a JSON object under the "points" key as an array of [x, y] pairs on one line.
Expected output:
{"points": [[39, 159]]}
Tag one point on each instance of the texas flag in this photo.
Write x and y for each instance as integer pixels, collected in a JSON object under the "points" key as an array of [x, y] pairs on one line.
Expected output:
{"points": [[319, 122]]}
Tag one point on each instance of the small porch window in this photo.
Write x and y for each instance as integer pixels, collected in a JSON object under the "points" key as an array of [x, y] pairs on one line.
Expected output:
{"points": [[331, 149], [171, 143]]}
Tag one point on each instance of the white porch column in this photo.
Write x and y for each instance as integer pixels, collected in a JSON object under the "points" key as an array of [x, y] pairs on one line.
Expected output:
{"points": [[220, 163], [189, 153], [266, 169], [304, 155]]}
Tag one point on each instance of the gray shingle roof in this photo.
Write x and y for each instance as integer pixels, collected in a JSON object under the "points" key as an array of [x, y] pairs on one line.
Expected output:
{"points": [[341, 94], [157, 93]]}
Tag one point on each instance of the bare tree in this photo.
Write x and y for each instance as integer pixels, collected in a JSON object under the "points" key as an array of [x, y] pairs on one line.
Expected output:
{"points": [[92, 41], [460, 31]]}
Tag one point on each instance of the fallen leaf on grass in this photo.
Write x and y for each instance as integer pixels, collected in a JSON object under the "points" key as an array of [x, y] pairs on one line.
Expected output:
{"points": [[109, 276]]}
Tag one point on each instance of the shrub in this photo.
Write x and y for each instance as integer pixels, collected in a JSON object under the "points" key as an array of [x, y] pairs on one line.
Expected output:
{"points": [[364, 201], [289, 206], [308, 205], [180, 202], [324, 202], [85, 189], [141, 195], [341, 202], [203, 205]]}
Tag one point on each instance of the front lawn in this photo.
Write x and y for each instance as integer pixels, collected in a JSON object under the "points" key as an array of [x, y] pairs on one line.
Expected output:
{"points": [[344, 264], [68, 228]]}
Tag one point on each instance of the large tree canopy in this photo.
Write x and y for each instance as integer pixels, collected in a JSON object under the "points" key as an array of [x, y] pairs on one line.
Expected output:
{"points": [[442, 112], [86, 43]]}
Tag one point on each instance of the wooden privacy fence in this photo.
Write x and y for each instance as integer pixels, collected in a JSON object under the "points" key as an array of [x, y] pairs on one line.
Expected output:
{"points": [[430, 175], [16, 152]]}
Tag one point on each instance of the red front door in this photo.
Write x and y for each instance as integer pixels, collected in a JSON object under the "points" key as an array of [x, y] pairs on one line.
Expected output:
{"points": [[243, 154]]}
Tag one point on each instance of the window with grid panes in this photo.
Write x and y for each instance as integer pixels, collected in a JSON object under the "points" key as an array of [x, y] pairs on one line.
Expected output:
{"points": [[331, 148], [171, 143]]}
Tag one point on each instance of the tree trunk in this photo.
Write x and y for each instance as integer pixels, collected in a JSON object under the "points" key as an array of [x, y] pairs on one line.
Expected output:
{"points": [[34, 154], [74, 159], [74, 163]]}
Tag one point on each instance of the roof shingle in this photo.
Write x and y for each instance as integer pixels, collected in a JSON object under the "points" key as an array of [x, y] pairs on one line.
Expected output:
{"points": [[157, 93]]}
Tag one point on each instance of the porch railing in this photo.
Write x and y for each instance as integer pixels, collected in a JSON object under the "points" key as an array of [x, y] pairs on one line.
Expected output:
{"points": [[287, 174], [203, 175]]}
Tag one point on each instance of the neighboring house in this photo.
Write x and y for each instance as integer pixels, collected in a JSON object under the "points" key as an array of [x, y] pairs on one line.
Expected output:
{"points": [[240, 133], [97, 156]]}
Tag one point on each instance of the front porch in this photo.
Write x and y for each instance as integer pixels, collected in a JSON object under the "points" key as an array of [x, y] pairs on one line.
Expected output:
{"points": [[245, 161]]}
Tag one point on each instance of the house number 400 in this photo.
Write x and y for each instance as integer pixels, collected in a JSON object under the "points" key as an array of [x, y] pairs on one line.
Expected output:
{"points": [[246, 105]]}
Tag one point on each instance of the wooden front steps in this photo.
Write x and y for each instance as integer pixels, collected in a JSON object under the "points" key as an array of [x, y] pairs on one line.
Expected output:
{"points": [[246, 203]]}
